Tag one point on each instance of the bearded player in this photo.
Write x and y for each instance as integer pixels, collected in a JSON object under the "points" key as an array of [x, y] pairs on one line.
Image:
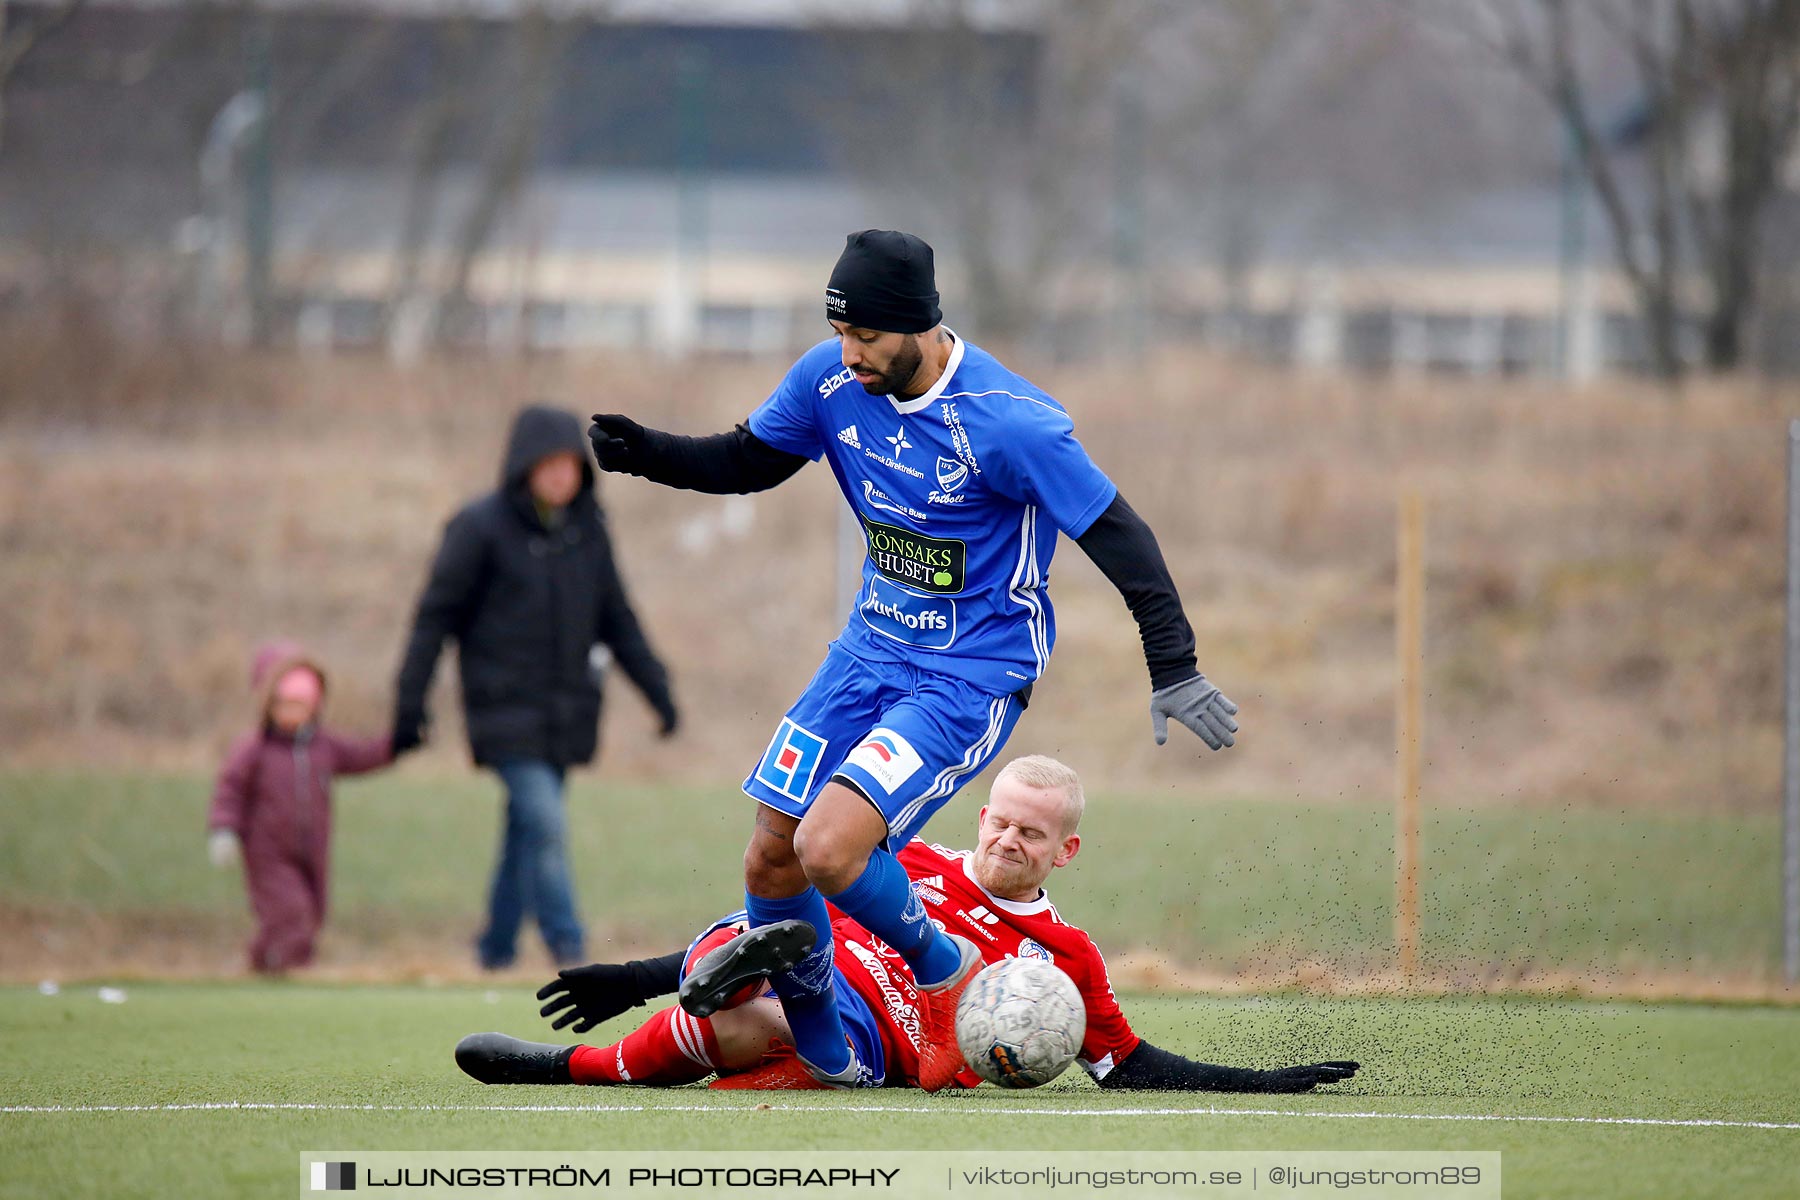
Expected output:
{"points": [[962, 473], [1026, 831]]}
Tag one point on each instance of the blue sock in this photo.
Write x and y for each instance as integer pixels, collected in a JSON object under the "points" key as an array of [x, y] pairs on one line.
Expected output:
{"points": [[883, 902], [807, 995]]}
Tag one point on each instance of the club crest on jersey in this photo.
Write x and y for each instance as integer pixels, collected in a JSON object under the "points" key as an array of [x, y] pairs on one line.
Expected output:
{"points": [[791, 761], [889, 759], [1031, 949], [951, 474]]}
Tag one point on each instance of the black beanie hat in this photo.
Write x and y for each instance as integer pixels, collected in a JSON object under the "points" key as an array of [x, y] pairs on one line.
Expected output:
{"points": [[886, 281]]}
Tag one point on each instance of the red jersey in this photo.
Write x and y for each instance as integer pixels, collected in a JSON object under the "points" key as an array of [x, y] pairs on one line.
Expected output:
{"points": [[883, 979], [1002, 929]]}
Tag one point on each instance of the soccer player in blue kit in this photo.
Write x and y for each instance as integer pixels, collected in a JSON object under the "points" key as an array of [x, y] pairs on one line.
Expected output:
{"points": [[962, 474]]}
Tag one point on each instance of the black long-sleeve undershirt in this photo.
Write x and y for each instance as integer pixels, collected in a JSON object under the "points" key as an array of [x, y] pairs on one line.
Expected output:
{"points": [[721, 464], [1125, 550], [1151, 1069], [655, 977]]}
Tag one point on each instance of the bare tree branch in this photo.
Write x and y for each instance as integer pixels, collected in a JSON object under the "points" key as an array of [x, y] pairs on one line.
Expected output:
{"points": [[541, 41], [15, 45]]}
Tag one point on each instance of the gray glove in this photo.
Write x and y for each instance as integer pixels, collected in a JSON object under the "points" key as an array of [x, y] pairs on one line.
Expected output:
{"points": [[1197, 704]]}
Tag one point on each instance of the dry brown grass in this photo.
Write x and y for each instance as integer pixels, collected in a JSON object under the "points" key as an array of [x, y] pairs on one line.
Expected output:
{"points": [[1605, 565]]}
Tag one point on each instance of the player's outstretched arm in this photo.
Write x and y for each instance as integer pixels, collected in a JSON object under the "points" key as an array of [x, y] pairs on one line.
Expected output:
{"points": [[601, 991], [1125, 550], [1149, 1069], [723, 464]]}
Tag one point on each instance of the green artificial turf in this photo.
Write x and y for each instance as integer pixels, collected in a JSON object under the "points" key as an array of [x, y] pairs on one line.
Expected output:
{"points": [[348, 1047]]}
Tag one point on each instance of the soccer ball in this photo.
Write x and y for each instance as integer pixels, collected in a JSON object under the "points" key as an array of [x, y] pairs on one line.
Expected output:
{"points": [[1020, 1023]]}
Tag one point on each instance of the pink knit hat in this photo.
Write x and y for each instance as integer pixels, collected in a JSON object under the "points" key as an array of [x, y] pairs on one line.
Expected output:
{"points": [[276, 662]]}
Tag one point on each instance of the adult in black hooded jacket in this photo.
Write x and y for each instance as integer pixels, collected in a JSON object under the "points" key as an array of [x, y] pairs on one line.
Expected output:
{"points": [[524, 582]]}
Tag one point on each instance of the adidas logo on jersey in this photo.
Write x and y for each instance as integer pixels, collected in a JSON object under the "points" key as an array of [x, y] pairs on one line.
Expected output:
{"points": [[930, 881], [849, 438]]}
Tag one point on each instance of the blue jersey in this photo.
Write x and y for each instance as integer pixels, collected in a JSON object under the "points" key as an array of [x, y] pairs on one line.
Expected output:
{"points": [[961, 493]]}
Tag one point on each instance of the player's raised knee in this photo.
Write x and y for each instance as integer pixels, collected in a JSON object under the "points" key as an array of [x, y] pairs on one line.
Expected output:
{"points": [[771, 869], [832, 856]]}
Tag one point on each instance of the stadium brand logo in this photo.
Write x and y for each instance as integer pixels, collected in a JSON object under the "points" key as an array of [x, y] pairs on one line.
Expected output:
{"points": [[975, 923], [334, 1177], [834, 383], [874, 497], [791, 760], [812, 974], [959, 437], [894, 464], [902, 1009], [849, 438], [929, 619], [836, 302], [890, 760], [1031, 949], [927, 622], [930, 564]]}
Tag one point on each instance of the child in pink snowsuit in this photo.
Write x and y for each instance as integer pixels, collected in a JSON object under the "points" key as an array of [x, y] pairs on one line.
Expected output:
{"points": [[272, 804]]}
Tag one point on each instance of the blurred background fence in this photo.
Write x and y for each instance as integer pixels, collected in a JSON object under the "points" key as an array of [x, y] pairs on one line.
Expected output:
{"points": [[273, 279]]}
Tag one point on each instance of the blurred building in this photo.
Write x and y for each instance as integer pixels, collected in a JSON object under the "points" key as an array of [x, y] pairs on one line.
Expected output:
{"points": [[541, 179]]}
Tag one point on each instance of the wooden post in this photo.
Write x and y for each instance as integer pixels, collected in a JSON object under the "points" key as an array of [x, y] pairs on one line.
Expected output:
{"points": [[1409, 703], [1790, 768]]}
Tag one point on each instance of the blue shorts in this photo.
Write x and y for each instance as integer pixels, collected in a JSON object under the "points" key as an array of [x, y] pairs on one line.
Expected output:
{"points": [[860, 1022], [905, 738]]}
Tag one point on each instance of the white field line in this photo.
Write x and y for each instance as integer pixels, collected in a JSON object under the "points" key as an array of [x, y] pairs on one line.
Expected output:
{"points": [[1005, 1111]]}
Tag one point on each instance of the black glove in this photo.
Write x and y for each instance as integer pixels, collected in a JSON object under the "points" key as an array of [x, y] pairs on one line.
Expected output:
{"points": [[671, 719], [409, 734], [1301, 1079], [591, 994], [617, 440]]}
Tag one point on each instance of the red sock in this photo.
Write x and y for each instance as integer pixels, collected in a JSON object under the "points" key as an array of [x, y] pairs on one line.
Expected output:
{"points": [[670, 1048]]}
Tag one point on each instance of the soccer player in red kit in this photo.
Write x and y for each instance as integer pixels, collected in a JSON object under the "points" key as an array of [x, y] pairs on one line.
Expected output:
{"points": [[992, 895]]}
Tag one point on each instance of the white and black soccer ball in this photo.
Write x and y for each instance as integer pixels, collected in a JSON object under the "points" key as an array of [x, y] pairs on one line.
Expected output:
{"points": [[1020, 1023]]}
